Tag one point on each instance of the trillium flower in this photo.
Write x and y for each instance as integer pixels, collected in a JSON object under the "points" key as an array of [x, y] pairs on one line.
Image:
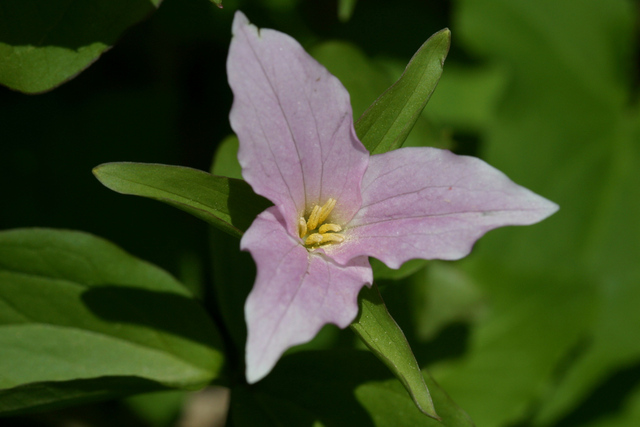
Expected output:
{"points": [[335, 205]]}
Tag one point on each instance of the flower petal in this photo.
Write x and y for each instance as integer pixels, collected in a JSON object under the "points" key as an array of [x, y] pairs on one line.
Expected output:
{"points": [[295, 125], [430, 203], [296, 292]]}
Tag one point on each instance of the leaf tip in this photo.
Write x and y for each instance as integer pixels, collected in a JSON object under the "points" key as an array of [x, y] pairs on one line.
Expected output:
{"points": [[96, 171], [430, 412]]}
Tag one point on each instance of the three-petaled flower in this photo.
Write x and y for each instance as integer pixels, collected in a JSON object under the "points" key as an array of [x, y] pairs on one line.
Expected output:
{"points": [[335, 205]]}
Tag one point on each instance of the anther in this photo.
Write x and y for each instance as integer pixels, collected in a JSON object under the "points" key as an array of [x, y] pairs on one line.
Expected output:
{"points": [[332, 238], [329, 227], [302, 227], [313, 239], [326, 210], [313, 218]]}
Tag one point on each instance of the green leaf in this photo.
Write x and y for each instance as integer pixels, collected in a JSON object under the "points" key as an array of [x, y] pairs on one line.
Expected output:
{"points": [[562, 293], [350, 388], [375, 326], [467, 97], [388, 121], [225, 162], [80, 320], [44, 43], [226, 203]]}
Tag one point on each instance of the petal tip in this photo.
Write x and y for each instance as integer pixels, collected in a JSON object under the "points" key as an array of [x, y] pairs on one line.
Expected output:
{"points": [[258, 364], [253, 375], [239, 20]]}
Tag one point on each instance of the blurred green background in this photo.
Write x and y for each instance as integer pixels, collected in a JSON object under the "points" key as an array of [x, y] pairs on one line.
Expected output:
{"points": [[540, 326]]}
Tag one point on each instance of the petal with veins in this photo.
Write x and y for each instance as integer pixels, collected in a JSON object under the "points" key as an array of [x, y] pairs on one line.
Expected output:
{"points": [[430, 203], [294, 121], [296, 292]]}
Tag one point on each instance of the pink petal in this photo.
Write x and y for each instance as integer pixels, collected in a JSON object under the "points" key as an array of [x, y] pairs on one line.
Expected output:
{"points": [[294, 121], [429, 203], [296, 292]]}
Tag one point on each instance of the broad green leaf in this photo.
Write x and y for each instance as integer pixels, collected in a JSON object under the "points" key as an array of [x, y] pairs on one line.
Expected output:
{"points": [[44, 43], [225, 162], [226, 203], [80, 320], [467, 98], [49, 395], [440, 295], [560, 293], [350, 388], [612, 254], [375, 326], [388, 121]]}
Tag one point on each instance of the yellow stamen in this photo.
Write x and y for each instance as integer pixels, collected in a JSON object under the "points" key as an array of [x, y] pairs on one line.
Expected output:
{"points": [[327, 233], [313, 239], [329, 227], [319, 239], [302, 227], [326, 210], [332, 238], [312, 224]]}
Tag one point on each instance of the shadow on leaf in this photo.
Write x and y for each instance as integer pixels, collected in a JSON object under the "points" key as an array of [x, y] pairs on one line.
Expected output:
{"points": [[45, 396], [168, 312]]}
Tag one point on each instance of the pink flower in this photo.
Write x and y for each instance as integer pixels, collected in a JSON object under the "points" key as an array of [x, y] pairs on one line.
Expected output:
{"points": [[335, 205]]}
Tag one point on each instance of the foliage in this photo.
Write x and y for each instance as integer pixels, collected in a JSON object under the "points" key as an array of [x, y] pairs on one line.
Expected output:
{"points": [[536, 327]]}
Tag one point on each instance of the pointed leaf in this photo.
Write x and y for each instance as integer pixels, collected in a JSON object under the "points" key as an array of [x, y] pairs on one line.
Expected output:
{"points": [[44, 43], [81, 320], [388, 121], [375, 326], [226, 203]]}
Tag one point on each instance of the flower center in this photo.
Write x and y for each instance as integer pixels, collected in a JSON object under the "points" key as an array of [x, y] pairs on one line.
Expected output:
{"points": [[327, 233]]}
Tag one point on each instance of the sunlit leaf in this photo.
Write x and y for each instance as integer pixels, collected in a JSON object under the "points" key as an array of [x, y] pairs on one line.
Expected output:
{"points": [[388, 121], [375, 326], [226, 203], [44, 43], [560, 293], [81, 320]]}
